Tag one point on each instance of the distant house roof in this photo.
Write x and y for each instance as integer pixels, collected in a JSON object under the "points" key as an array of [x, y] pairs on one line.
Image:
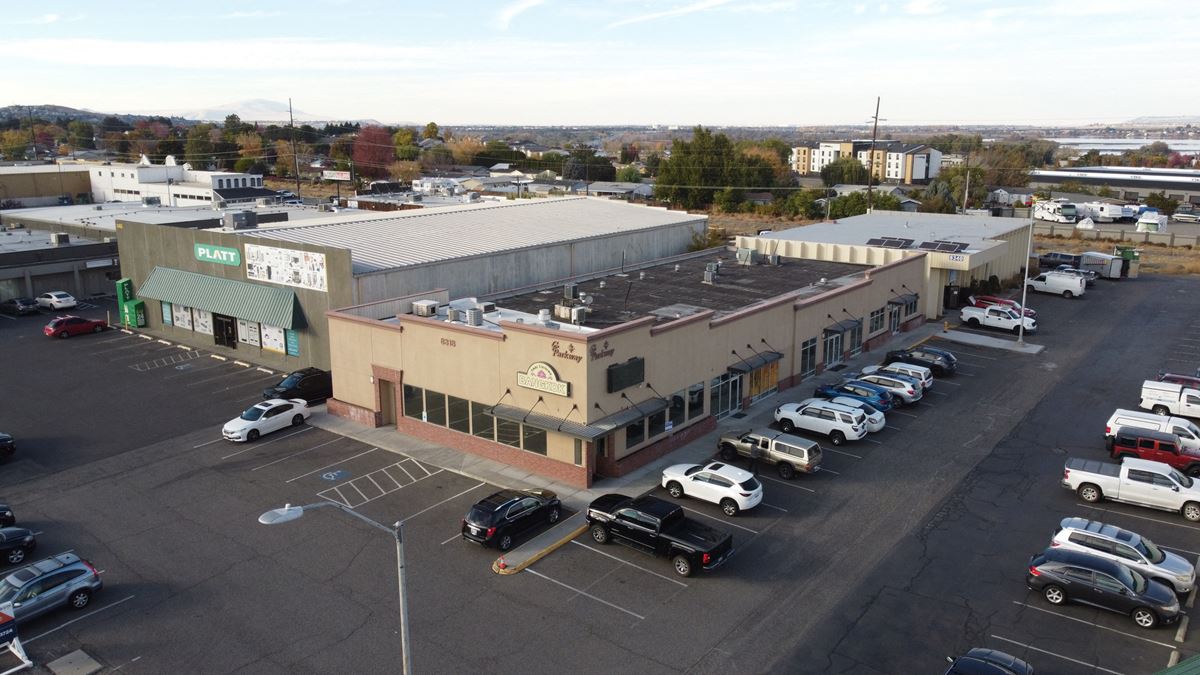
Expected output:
{"points": [[427, 143], [620, 188], [232, 194]]}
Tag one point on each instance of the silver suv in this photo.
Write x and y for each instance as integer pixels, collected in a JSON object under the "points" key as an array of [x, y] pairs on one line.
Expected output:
{"points": [[1128, 548], [61, 580]]}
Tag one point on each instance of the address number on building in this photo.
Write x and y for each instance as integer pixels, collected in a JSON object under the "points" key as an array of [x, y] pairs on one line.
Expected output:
{"points": [[957, 258], [447, 342]]}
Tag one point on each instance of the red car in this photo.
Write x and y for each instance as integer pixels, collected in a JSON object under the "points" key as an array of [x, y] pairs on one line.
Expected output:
{"points": [[990, 300], [66, 326], [1174, 378]]}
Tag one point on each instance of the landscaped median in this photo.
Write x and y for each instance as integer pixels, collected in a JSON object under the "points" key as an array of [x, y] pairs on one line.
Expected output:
{"points": [[540, 546]]}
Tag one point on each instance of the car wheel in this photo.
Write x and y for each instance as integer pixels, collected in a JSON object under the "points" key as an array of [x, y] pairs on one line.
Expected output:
{"points": [[683, 566], [730, 507], [505, 542], [1145, 617], [1030, 288], [973, 322], [837, 438], [1161, 410], [553, 516], [64, 335], [675, 489], [97, 329], [297, 420], [1016, 330], [253, 435], [1191, 511], [15, 556], [1068, 294], [1054, 595], [786, 471], [1194, 470], [80, 599], [728, 453], [787, 425], [1090, 493], [599, 534]]}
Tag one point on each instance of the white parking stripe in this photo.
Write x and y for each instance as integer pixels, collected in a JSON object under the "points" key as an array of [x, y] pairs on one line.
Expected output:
{"points": [[377, 485], [400, 466], [297, 454], [251, 446], [772, 506], [583, 593], [10, 318], [821, 468], [434, 506], [217, 440], [626, 562], [952, 384], [81, 618], [1096, 625], [1176, 548], [937, 393], [720, 520], [1064, 658], [900, 412], [343, 497], [329, 465], [456, 536], [843, 452], [1130, 515], [784, 482], [864, 439], [888, 426], [391, 477]]}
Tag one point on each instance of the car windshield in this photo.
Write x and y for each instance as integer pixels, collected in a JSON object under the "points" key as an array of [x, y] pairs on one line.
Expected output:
{"points": [[692, 470], [252, 413], [7, 592], [1181, 479], [867, 408], [1135, 581], [750, 484], [290, 381], [1152, 552]]}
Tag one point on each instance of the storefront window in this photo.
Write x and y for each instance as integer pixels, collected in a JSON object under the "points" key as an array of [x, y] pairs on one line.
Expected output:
{"points": [[578, 452], [658, 424], [482, 424], [508, 433], [435, 407], [695, 400], [876, 322], [635, 433], [534, 439], [413, 402], [808, 358], [910, 307], [459, 414], [854, 336], [678, 408]]}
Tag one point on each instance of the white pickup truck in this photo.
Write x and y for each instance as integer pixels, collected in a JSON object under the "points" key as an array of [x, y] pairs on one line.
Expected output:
{"points": [[1134, 481], [997, 316]]}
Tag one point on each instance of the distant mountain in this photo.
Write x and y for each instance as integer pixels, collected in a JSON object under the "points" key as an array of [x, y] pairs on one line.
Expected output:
{"points": [[53, 113], [253, 110], [1165, 121]]}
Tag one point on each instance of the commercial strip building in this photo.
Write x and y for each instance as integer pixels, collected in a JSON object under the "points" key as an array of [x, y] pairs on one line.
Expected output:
{"points": [[957, 250], [33, 262], [610, 371], [44, 184], [172, 184], [260, 292], [1131, 184]]}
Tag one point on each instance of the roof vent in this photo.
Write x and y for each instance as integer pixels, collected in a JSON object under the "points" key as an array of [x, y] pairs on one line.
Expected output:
{"points": [[603, 283], [677, 266], [642, 275], [544, 315], [709, 277]]}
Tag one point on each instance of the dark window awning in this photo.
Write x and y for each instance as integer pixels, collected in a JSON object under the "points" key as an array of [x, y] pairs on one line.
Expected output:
{"points": [[254, 302], [588, 432], [755, 362], [843, 326], [903, 299]]}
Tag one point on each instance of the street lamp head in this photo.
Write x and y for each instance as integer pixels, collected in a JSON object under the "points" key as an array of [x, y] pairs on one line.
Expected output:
{"points": [[283, 515]]}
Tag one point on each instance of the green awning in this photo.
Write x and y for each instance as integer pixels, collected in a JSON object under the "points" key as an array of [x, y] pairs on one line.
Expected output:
{"points": [[265, 304]]}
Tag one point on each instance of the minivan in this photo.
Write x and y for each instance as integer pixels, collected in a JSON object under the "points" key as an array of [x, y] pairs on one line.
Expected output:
{"points": [[919, 373], [1186, 430]]}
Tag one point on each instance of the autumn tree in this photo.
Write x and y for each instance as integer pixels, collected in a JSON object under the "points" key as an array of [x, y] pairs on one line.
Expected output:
{"points": [[373, 152], [81, 134], [629, 174], [284, 158], [465, 149], [431, 131], [250, 145], [405, 171], [14, 143]]}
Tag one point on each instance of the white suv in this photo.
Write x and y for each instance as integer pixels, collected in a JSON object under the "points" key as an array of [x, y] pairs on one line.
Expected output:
{"points": [[1128, 548], [839, 422], [734, 489]]}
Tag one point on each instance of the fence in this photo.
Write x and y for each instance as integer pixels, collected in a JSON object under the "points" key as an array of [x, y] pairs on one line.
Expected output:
{"points": [[1130, 234]]}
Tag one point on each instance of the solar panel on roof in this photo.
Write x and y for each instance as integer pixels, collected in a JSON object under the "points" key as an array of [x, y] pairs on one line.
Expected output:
{"points": [[875, 242], [928, 246]]}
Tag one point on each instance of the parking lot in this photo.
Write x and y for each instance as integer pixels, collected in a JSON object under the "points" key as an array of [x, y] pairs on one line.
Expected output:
{"points": [[928, 523]]}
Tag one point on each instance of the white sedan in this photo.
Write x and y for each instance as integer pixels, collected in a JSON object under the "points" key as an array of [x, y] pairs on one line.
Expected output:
{"points": [[731, 488], [263, 418], [875, 419], [56, 300]]}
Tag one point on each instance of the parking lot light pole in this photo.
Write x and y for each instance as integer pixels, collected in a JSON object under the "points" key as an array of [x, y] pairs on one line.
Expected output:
{"points": [[289, 513], [1025, 284]]}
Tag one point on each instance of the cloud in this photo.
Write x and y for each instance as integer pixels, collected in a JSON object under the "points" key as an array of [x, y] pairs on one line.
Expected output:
{"points": [[860, 9], [507, 14], [47, 19], [923, 7], [769, 7], [678, 11], [255, 14]]}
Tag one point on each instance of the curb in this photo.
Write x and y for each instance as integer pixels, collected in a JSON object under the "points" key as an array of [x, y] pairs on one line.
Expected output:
{"points": [[540, 554]]}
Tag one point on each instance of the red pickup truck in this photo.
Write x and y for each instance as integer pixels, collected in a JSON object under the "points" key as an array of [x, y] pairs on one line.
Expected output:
{"points": [[1156, 446]]}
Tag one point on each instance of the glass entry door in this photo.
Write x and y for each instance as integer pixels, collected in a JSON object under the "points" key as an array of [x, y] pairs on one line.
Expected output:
{"points": [[225, 330], [833, 349], [725, 395], [894, 318]]}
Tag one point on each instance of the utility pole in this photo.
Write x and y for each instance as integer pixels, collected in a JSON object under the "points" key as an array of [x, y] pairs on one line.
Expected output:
{"points": [[967, 187], [871, 155], [295, 157], [32, 137]]}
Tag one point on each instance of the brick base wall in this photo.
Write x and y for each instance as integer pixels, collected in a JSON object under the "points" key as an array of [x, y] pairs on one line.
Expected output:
{"points": [[637, 460], [359, 414]]}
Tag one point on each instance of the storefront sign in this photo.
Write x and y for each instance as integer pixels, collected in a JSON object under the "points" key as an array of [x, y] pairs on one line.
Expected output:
{"points": [[541, 377], [568, 354], [303, 269], [247, 331], [218, 254], [181, 316], [292, 338], [204, 321], [597, 352], [272, 338], [335, 175]]}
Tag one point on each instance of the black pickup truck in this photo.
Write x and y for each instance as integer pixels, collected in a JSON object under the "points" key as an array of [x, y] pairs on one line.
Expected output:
{"points": [[658, 527]]}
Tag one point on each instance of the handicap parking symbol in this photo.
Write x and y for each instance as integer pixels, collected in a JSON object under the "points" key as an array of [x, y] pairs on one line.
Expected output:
{"points": [[335, 475]]}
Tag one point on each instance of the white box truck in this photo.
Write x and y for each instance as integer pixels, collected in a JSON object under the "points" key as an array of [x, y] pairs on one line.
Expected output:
{"points": [[1168, 398]]}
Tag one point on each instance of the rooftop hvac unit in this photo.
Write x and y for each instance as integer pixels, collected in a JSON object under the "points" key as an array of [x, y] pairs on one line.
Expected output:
{"points": [[452, 314], [486, 307], [773, 259], [570, 291], [98, 207], [745, 256], [474, 316], [709, 277], [264, 201], [59, 238], [325, 207], [562, 312], [711, 268], [425, 307], [240, 220], [578, 315], [151, 201]]}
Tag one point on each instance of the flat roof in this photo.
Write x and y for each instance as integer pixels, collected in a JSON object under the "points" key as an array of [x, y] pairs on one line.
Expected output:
{"points": [[387, 240], [669, 293], [23, 239], [40, 168], [978, 232], [105, 216]]}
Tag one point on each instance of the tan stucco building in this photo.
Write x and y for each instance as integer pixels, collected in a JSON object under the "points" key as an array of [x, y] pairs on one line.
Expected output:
{"points": [[610, 371]]}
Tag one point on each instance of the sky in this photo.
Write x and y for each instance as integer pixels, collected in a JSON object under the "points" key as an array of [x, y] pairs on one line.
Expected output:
{"points": [[666, 62]]}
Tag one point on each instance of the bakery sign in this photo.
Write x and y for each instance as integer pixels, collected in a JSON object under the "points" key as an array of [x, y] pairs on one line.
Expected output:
{"points": [[541, 377]]}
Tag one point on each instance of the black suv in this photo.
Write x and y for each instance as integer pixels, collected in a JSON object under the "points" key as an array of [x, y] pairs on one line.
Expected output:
{"points": [[940, 361], [310, 384], [1070, 576], [498, 519]]}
